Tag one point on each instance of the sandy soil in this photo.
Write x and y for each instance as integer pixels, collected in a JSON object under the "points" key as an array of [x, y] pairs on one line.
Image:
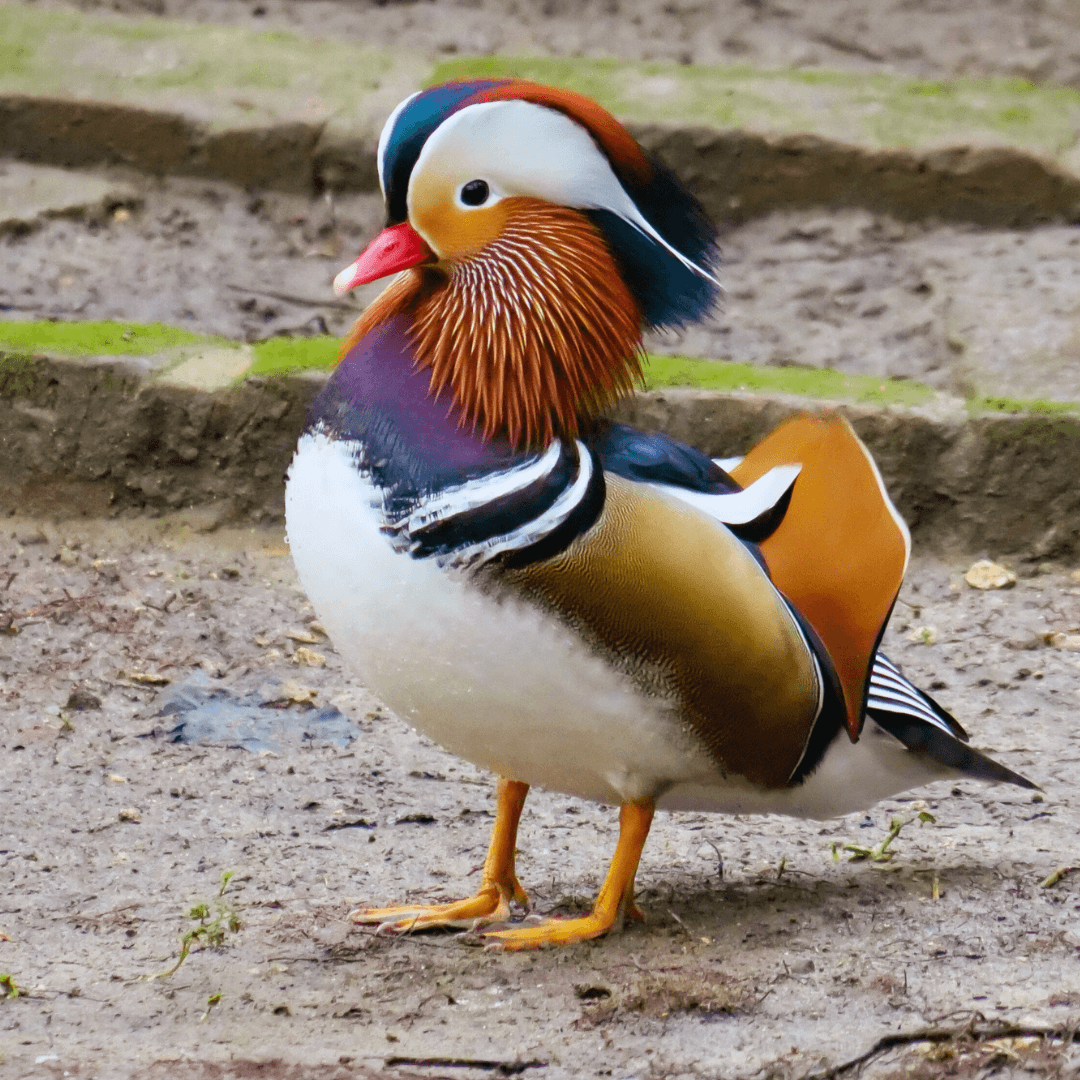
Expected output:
{"points": [[958, 307], [1032, 39], [762, 954]]}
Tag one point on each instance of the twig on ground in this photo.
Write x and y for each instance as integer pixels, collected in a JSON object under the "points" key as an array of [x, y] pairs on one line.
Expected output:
{"points": [[1060, 873], [939, 1035], [686, 929], [504, 1068]]}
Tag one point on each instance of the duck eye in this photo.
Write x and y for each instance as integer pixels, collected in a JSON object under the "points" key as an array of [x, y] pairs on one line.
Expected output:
{"points": [[475, 193]]}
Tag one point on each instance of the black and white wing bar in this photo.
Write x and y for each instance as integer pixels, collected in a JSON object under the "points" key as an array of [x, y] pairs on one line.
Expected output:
{"points": [[507, 513]]}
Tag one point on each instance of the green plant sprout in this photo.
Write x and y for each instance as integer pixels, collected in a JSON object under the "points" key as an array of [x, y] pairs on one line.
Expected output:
{"points": [[9, 987], [211, 1001], [210, 933], [881, 854]]}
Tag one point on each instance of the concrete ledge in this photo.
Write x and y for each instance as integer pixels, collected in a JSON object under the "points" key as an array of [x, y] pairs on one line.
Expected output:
{"points": [[738, 175], [101, 436]]}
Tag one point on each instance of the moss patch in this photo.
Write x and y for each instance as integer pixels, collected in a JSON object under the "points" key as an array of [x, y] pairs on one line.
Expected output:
{"points": [[675, 371], [282, 355], [982, 406], [285, 355], [253, 77], [97, 338], [871, 110]]}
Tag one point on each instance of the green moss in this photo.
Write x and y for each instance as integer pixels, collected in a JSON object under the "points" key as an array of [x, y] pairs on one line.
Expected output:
{"points": [[265, 77], [674, 371], [978, 405], [278, 356], [873, 110], [97, 338], [283, 355], [104, 57]]}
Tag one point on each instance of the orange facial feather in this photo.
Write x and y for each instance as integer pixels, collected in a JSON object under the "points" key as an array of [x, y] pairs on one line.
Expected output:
{"points": [[534, 331], [527, 336], [396, 297]]}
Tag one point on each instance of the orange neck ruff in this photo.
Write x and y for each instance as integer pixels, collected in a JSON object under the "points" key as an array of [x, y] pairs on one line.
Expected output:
{"points": [[530, 335]]}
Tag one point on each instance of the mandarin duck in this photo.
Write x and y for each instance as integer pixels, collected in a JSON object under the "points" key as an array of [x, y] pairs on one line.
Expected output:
{"points": [[564, 600]]}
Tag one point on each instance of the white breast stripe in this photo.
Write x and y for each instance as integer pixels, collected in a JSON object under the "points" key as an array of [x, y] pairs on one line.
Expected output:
{"points": [[475, 493], [533, 531], [728, 463], [820, 698], [740, 507]]}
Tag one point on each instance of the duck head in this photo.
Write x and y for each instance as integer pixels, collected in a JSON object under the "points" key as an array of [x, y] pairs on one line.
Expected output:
{"points": [[534, 241]]}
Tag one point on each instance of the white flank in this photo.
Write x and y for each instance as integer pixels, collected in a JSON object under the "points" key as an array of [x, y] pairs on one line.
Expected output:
{"points": [[496, 681], [851, 776]]}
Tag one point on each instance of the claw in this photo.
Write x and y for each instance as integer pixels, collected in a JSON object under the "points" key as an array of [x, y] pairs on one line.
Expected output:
{"points": [[498, 888]]}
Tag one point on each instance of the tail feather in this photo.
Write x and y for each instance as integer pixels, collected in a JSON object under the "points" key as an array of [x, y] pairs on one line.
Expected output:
{"points": [[924, 727], [891, 692]]}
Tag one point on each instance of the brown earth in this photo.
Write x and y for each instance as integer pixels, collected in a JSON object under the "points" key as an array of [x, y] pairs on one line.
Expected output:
{"points": [[762, 954], [737, 175]]}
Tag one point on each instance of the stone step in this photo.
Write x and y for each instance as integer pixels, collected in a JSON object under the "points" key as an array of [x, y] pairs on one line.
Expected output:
{"points": [[283, 111]]}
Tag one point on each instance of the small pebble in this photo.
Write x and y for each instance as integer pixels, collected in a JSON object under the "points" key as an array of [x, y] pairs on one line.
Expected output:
{"points": [[304, 655], [81, 698], [988, 575]]}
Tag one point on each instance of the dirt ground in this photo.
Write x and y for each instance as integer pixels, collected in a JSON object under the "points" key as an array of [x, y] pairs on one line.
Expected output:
{"points": [[763, 955], [961, 308]]}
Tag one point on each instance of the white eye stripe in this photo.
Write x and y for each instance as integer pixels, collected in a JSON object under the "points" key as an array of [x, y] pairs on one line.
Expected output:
{"points": [[521, 148]]}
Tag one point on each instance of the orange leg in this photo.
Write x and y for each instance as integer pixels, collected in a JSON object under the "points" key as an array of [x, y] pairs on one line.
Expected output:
{"points": [[498, 887], [613, 905]]}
